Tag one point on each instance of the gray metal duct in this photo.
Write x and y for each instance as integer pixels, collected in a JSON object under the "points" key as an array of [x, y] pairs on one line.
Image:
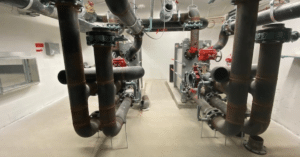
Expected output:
{"points": [[50, 11]]}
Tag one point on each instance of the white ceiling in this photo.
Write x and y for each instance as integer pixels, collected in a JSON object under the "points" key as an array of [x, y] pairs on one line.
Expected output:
{"points": [[218, 8]]}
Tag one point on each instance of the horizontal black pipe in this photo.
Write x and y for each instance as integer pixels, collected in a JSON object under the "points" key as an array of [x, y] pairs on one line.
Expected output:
{"points": [[171, 26], [218, 103], [120, 73], [285, 12], [222, 74]]}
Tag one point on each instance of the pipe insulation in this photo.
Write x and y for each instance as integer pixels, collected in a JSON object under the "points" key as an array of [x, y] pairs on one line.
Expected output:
{"points": [[240, 70], [264, 85], [120, 73], [84, 125], [285, 12]]}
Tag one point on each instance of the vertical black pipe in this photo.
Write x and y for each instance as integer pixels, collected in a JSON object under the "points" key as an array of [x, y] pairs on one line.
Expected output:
{"points": [[265, 83], [69, 30], [106, 88], [240, 69], [171, 72]]}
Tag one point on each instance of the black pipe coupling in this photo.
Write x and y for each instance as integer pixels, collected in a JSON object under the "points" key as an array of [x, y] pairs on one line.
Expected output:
{"points": [[275, 33], [102, 36], [210, 114]]}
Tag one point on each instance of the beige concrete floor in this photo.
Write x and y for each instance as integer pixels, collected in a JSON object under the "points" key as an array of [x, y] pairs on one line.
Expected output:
{"points": [[164, 130]]}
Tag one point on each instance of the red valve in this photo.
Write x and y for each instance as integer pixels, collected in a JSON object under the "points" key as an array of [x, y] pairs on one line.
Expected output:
{"points": [[119, 62], [207, 54], [193, 50], [193, 91], [228, 59]]}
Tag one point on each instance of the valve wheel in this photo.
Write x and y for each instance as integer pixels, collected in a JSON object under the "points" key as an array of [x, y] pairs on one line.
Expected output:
{"points": [[219, 56]]}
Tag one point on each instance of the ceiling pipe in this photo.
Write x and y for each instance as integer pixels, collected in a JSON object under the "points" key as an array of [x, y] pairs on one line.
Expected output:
{"points": [[285, 12], [125, 13], [50, 11], [84, 125], [240, 69]]}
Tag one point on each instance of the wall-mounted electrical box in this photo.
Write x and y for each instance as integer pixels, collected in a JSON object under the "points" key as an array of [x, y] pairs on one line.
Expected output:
{"points": [[52, 48], [17, 72]]}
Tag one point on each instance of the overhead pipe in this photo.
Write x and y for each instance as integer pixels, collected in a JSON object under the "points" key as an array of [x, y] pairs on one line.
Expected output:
{"points": [[240, 69], [264, 86], [84, 125], [120, 73], [50, 11], [285, 12], [125, 13], [171, 26]]}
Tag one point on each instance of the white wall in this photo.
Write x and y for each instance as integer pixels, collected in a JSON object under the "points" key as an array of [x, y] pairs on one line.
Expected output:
{"points": [[20, 33]]}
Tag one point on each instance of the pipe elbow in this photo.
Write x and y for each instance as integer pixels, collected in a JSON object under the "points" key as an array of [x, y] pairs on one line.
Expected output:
{"points": [[137, 44], [194, 14], [223, 39], [113, 131], [255, 128], [88, 130], [226, 128]]}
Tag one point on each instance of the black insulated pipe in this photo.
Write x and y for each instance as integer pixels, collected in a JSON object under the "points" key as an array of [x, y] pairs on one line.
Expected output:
{"points": [[264, 86], [120, 73], [106, 88], [123, 10], [218, 103], [240, 70], [221, 74], [77, 88], [137, 44], [223, 39], [122, 111], [285, 12]]}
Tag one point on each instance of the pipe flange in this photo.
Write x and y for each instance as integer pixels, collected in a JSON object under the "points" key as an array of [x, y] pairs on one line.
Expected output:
{"points": [[211, 114], [102, 36], [273, 33], [75, 3]]}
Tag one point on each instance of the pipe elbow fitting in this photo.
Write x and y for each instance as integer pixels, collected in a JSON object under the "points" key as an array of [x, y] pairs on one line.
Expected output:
{"points": [[255, 128], [114, 130], [88, 130], [194, 14]]}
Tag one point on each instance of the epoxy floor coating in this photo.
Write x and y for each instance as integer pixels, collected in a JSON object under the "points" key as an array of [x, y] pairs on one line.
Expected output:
{"points": [[164, 130]]}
